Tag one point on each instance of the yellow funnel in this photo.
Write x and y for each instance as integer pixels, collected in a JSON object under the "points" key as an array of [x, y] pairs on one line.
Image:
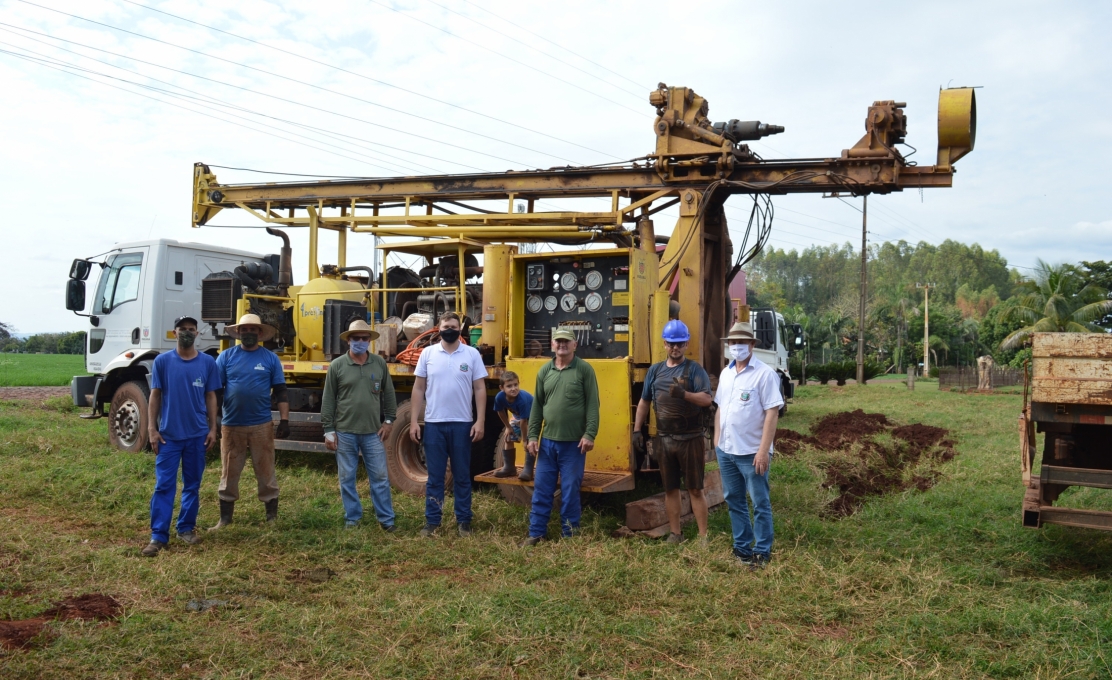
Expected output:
{"points": [[957, 124]]}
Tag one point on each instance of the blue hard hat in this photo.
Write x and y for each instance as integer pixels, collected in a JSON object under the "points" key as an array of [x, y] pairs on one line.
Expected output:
{"points": [[676, 331]]}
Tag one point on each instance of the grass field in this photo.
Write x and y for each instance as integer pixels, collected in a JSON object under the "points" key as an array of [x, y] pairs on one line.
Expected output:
{"points": [[39, 370], [942, 583]]}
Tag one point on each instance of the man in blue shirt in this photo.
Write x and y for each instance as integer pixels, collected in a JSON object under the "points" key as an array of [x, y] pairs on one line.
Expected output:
{"points": [[182, 427], [252, 376]]}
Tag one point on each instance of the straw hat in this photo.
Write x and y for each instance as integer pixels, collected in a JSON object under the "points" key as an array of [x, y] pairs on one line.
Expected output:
{"points": [[359, 326], [265, 332], [741, 331]]}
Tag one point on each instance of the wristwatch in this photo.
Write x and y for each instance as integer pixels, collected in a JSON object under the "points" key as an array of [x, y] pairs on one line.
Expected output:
{"points": [[388, 422]]}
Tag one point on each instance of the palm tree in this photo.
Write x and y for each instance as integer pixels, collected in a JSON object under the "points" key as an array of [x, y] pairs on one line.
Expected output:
{"points": [[1057, 300]]}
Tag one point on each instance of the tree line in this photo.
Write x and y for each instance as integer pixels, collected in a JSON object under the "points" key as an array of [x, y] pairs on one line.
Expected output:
{"points": [[977, 304], [41, 343]]}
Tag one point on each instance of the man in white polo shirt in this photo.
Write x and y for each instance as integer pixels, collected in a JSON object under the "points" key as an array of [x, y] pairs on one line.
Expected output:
{"points": [[749, 402], [449, 375]]}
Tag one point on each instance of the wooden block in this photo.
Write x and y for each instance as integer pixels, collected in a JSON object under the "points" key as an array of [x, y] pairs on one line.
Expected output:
{"points": [[712, 488], [1072, 345], [649, 513], [664, 530]]}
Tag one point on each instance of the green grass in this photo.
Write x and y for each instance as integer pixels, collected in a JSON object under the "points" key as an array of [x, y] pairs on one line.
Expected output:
{"points": [[39, 370], [943, 583]]}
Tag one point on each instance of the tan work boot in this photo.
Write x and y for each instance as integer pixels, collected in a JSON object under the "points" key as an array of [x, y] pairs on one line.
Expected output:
{"points": [[152, 549], [509, 462], [226, 510], [190, 537]]}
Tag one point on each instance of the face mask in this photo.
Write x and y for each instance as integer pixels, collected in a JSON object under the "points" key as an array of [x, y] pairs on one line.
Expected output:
{"points": [[359, 346], [739, 352], [249, 339], [185, 339], [449, 335]]}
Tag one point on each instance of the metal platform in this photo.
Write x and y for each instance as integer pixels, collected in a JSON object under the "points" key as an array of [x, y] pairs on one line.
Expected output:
{"points": [[594, 481]]}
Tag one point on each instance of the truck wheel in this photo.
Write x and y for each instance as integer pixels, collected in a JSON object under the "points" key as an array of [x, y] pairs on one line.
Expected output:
{"points": [[127, 417], [405, 459]]}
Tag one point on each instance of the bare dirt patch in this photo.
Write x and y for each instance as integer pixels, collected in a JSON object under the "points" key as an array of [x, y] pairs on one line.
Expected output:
{"points": [[27, 633], [869, 455], [33, 393]]}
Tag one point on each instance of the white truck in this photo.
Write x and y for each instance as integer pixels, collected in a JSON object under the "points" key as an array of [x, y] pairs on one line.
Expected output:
{"points": [[143, 286], [776, 340]]}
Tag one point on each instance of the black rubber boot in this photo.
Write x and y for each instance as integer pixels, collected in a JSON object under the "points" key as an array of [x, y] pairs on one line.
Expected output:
{"points": [[226, 509], [509, 462], [272, 511], [527, 471]]}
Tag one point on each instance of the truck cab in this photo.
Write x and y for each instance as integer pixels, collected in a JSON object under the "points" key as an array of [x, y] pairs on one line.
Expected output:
{"points": [[776, 340], [141, 288]]}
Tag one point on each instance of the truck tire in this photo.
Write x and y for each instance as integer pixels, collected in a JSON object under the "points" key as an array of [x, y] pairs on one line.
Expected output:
{"points": [[405, 459], [128, 417]]}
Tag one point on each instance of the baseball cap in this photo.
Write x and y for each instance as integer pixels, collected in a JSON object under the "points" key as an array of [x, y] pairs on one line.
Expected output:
{"points": [[182, 319], [563, 334]]}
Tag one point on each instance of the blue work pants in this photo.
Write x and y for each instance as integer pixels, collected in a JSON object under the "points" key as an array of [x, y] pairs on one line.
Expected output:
{"points": [[738, 478], [448, 443], [189, 454], [560, 462], [348, 448]]}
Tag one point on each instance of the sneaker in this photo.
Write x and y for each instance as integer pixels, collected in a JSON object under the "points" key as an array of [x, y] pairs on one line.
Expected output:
{"points": [[351, 525], [464, 529], [190, 537], [744, 559], [675, 538], [530, 541], [428, 531], [387, 528], [704, 541], [760, 562], [152, 549]]}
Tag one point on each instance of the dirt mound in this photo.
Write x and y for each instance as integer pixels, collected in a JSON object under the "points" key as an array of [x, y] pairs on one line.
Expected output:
{"points": [[26, 633], [865, 454]]}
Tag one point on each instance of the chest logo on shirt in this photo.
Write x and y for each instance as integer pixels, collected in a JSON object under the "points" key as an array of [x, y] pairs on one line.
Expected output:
{"points": [[260, 367], [745, 396], [463, 368], [199, 382]]}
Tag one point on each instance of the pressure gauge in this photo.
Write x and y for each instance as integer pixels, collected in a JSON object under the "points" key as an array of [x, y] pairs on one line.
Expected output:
{"points": [[569, 281], [550, 303], [594, 280], [569, 302], [594, 301], [534, 303]]}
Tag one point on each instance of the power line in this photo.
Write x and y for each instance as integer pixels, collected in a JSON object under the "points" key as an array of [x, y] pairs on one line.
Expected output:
{"points": [[504, 56], [373, 80], [321, 88], [501, 18]]}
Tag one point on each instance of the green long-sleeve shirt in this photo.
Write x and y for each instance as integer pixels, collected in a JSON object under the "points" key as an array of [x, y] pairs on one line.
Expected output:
{"points": [[566, 402], [355, 394]]}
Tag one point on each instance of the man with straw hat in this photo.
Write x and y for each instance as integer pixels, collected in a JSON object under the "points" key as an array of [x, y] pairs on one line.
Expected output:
{"points": [[357, 412], [749, 402], [253, 380]]}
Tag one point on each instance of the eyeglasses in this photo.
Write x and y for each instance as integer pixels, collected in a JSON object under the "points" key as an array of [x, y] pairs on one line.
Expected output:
{"points": [[360, 338], [674, 344]]}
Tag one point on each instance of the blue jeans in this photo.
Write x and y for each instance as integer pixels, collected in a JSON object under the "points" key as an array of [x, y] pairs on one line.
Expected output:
{"points": [[348, 447], [189, 454], [739, 477], [447, 443], [563, 461]]}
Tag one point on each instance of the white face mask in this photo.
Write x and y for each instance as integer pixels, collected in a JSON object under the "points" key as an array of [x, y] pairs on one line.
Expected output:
{"points": [[739, 352]]}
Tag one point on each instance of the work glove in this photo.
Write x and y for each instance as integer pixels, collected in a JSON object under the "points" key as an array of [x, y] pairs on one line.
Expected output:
{"points": [[638, 442], [676, 391], [283, 430]]}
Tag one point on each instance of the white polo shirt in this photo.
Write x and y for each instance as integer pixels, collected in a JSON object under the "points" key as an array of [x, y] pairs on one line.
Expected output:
{"points": [[449, 392], [742, 400]]}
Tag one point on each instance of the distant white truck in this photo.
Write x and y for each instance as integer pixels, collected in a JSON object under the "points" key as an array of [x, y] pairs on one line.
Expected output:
{"points": [[776, 340], [143, 286]]}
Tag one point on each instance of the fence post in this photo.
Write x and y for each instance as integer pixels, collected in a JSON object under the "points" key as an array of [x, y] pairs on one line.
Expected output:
{"points": [[911, 376]]}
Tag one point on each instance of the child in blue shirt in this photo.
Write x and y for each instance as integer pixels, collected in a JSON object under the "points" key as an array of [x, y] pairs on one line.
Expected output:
{"points": [[513, 405]]}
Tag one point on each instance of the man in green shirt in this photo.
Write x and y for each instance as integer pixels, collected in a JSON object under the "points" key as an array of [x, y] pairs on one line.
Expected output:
{"points": [[358, 388], [565, 404]]}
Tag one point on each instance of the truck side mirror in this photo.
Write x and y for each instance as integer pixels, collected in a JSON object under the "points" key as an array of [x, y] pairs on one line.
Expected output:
{"points": [[79, 270], [797, 340], [75, 295]]}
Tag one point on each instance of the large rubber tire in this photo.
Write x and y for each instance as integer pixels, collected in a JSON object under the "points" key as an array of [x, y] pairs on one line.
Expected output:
{"points": [[128, 417], [405, 459]]}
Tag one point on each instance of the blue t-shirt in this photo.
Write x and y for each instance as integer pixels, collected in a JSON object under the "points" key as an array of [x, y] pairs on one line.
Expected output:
{"points": [[247, 377], [184, 385], [520, 407]]}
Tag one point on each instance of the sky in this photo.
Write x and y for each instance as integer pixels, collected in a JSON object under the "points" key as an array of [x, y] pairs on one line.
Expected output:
{"points": [[108, 103]]}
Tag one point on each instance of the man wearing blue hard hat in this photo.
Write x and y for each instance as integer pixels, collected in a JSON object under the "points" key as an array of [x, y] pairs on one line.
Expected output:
{"points": [[679, 390]]}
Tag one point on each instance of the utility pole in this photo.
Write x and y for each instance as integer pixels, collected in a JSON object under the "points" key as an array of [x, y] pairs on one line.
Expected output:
{"points": [[926, 327], [861, 302]]}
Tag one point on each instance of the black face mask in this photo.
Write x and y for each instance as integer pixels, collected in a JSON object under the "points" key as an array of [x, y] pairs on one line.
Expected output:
{"points": [[249, 339], [185, 339], [449, 335]]}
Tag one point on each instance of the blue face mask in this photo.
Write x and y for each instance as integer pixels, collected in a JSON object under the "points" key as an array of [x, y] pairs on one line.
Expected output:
{"points": [[359, 346]]}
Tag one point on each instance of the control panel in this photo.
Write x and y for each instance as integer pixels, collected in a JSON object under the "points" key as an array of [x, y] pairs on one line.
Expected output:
{"points": [[586, 294]]}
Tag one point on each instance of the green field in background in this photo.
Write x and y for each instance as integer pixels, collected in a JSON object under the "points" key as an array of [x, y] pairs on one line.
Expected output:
{"points": [[39, 370]]}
